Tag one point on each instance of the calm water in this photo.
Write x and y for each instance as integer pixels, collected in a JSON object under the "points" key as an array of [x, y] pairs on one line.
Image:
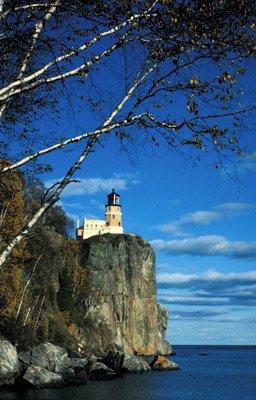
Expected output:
{"points": [[226, 373]]}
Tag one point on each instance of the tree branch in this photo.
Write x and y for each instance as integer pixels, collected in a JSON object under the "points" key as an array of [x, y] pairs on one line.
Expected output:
{"points": [[20, 81], [66, 180]]}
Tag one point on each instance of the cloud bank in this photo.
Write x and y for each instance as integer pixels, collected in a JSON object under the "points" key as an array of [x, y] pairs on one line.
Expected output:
{"points": [[219, 213], [210, 288], [209, 245], [209, 315], [89, 186], [207, 280]]}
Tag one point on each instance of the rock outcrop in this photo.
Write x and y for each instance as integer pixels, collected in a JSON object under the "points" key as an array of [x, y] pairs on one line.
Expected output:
{"points": [[49, 366], [42, 378], [121, 311], [163, 364], [9, 367], [123, 362], [50, 357]]}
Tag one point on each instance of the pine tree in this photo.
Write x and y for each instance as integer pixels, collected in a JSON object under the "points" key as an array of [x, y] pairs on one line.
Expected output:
{"points": [[66, 292]]}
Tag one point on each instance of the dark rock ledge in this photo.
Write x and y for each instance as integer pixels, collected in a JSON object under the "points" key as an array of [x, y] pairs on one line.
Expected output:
{"points": [[48, 366]]}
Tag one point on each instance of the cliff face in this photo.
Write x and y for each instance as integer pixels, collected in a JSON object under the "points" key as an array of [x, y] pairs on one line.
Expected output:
{"points": [[108, 304], [120, 309]]}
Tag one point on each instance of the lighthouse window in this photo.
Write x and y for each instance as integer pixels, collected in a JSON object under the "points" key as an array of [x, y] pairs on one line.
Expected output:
{"points": [[117, 200], [113, 216]]}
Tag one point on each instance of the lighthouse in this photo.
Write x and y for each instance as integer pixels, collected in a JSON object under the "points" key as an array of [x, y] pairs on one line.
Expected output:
{"points": [[113, 214]]}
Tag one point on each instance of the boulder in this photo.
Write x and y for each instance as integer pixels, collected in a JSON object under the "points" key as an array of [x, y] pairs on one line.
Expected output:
{"points": [[134, 364], [124, 362], [24, 357], [163, 364], [78, 363], [51, 357], [99, 371], [9, 367], [42, 378]]}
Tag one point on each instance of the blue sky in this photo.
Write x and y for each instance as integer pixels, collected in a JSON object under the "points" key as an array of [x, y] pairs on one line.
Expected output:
{"points": [[199, 221]]}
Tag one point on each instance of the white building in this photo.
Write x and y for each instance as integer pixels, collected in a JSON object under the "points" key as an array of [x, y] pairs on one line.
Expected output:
{"points": [[112, 223]]}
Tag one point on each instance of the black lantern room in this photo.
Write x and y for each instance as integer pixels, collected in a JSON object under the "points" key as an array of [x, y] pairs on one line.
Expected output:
{"points": [[113, 199]]}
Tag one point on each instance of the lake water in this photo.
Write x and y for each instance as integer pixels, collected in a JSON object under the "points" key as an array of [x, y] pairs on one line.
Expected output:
{"points": [[225, 373]]}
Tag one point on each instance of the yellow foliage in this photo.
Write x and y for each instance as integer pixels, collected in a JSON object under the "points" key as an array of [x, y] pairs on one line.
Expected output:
{"points": [[11, 222], [72, 247], [194, 81], [10, 291], [66, 318], [78, 278], [11, 205]]}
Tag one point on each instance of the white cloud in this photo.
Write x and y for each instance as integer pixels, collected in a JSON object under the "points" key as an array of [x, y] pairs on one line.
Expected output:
{"points": [[220, 212], [234, 207], [172, 228], [196, 218], [75, 205], [198, 314], [190, 300], [208, 279], [248, 163], [89, 186], [96, 203], [209, 245], [208, 289], [124, 175], [167, 267], [131, 178]]}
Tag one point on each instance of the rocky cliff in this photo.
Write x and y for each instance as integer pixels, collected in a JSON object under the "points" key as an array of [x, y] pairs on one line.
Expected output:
{"points": [[120, 307]]}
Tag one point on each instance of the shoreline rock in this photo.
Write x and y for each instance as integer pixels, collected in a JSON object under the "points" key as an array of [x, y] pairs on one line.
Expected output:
{"points": [[126, 363], [49, 366], [42, 378], [163, 364], [9, 366]]}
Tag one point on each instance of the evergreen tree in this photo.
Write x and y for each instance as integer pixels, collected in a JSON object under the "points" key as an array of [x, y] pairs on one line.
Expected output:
{"points": [[65, 294]]}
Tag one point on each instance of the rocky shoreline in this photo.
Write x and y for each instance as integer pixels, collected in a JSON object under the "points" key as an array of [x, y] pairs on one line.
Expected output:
{"points": [[50, 366]]}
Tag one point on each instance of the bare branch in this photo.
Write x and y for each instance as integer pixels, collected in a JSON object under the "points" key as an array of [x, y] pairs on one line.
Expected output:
{"points": [[27, 284], [61, 145], [38, 28], [22, 81]]}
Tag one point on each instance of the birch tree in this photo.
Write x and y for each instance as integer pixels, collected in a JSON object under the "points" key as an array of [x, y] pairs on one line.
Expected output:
{"points": [[158, 56]]}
